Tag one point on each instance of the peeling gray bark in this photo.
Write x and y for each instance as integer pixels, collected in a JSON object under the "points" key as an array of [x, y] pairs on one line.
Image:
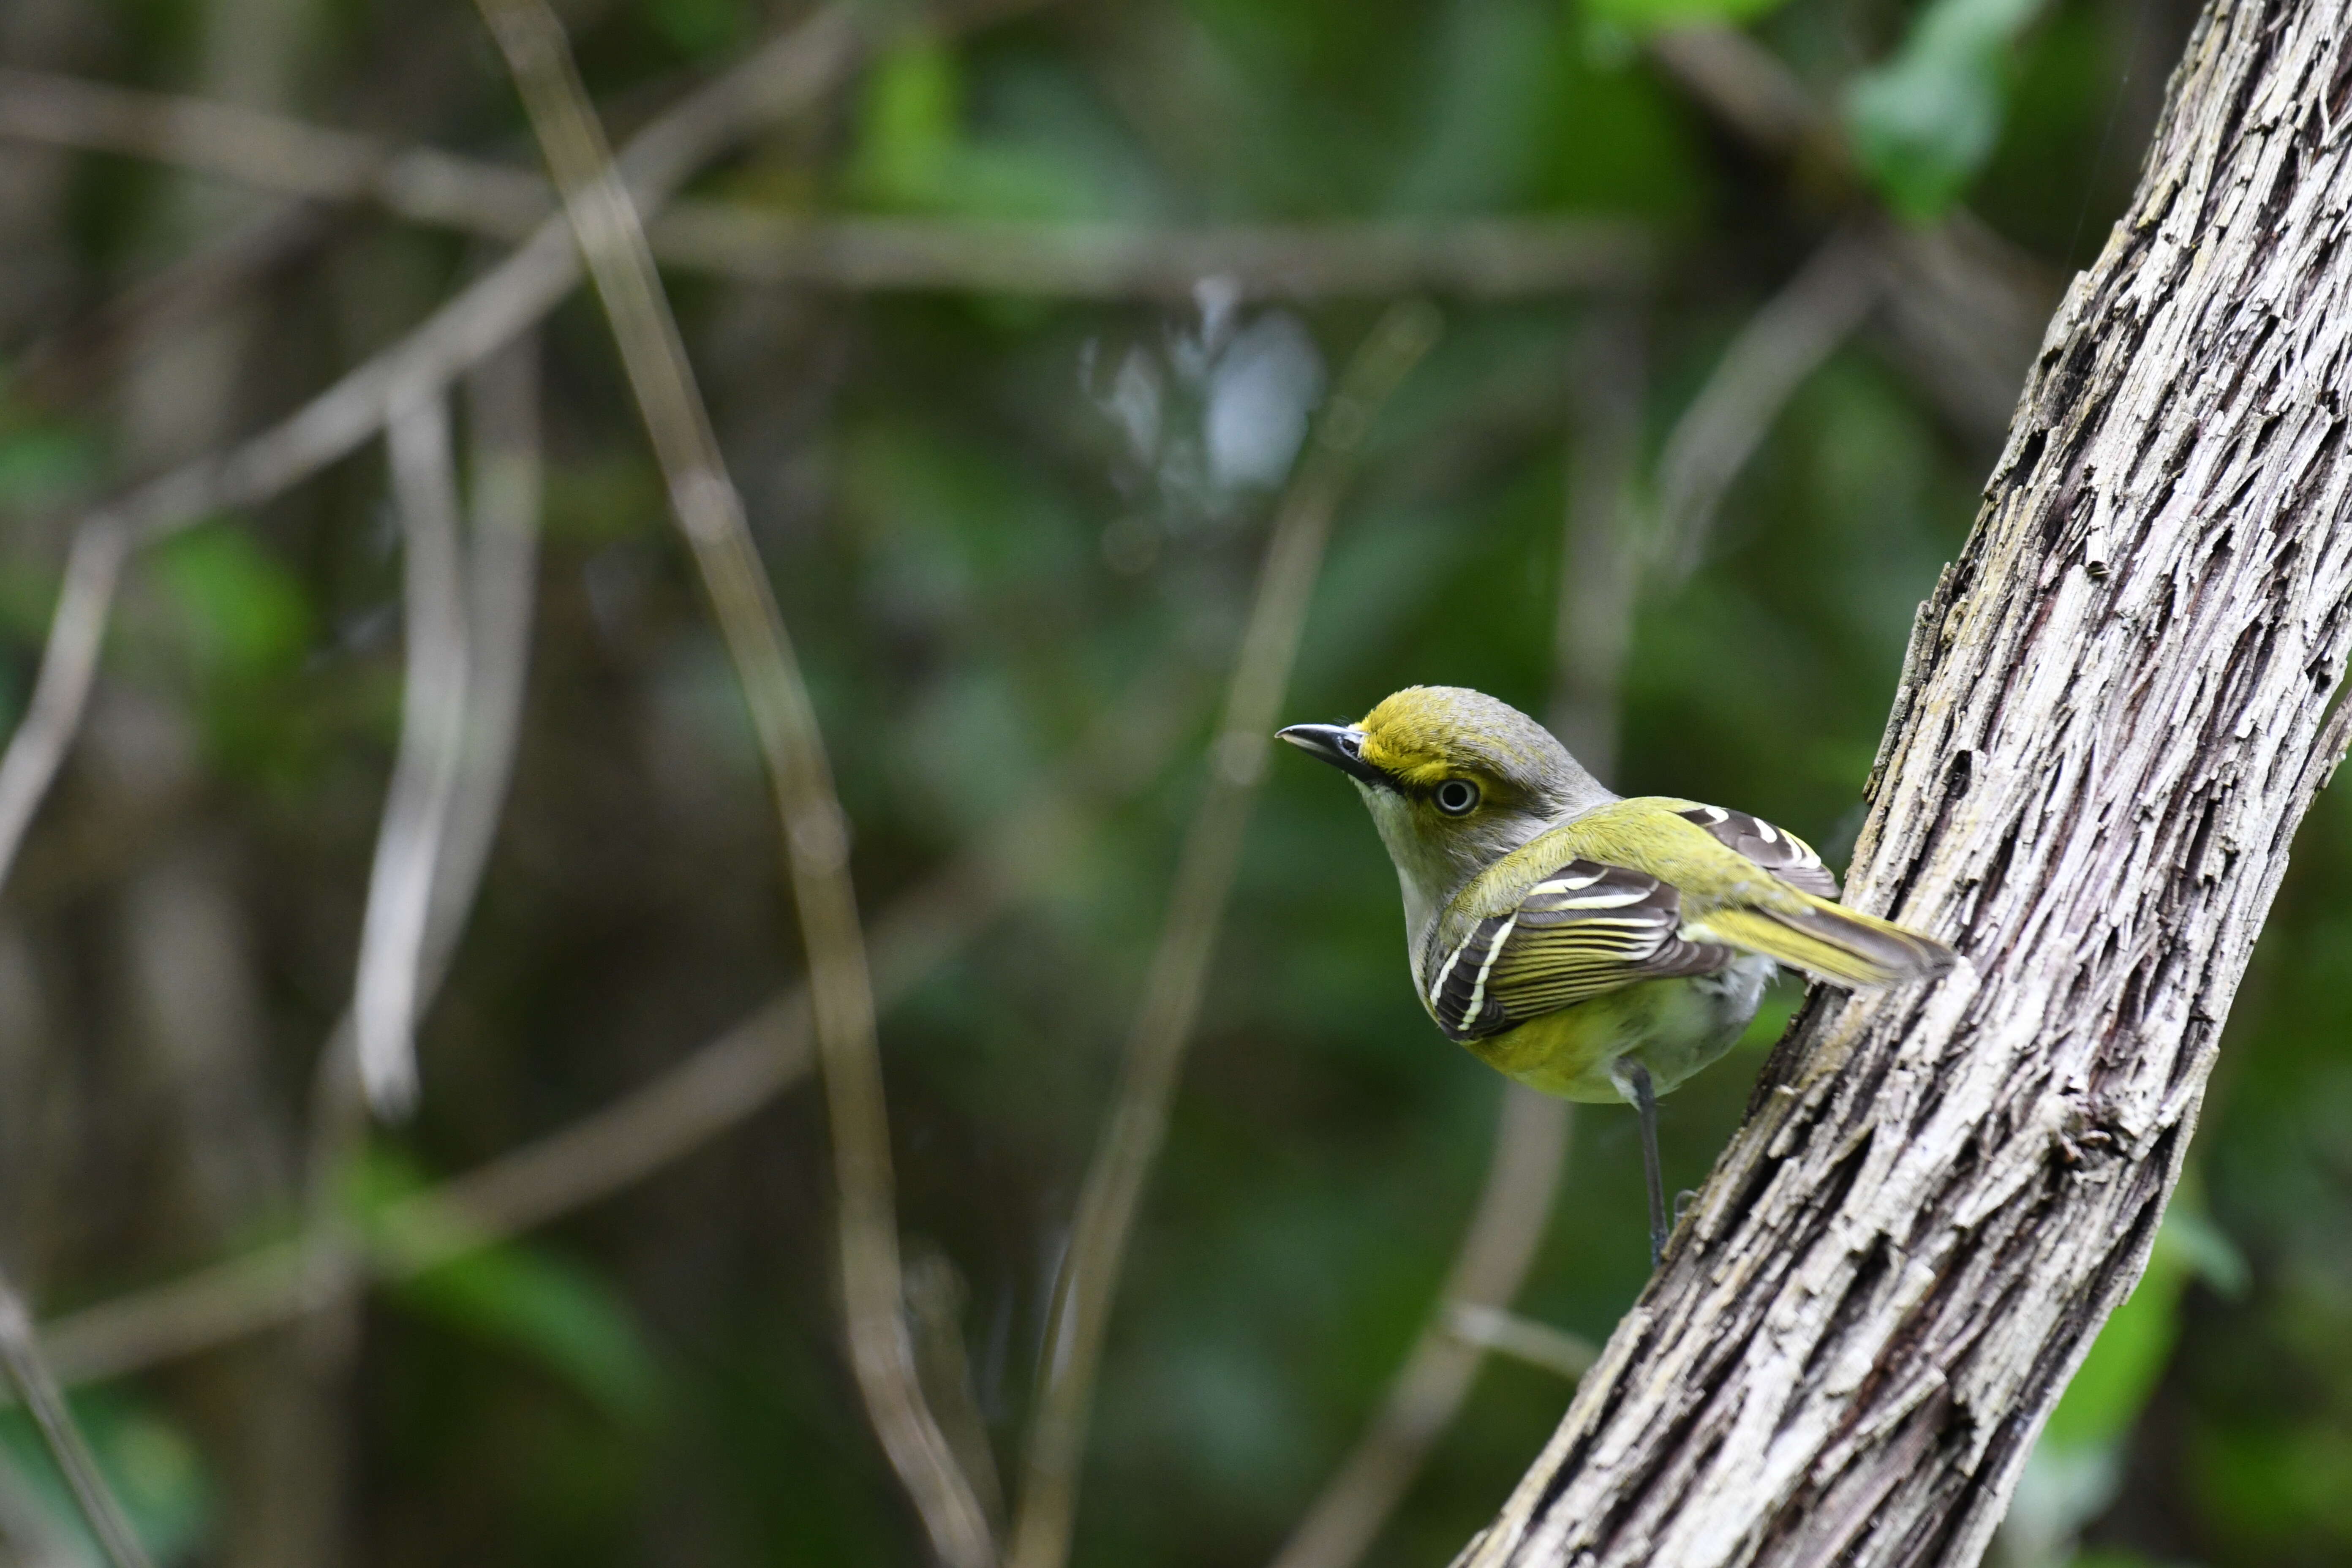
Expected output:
{"points": [[2116, 711]]}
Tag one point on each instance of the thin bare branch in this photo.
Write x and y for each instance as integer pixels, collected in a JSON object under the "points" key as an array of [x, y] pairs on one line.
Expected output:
{"points": [[1967, 307], [1784, 343], [937, 1298], [720, 1084], [1133, 1131], [815, 832], [1530, 1147], [1965, 312], [501, 579], [425, 775], [30, 1530], [1523, 1339], [1487, 259], [1602, 544], [61, 691], [76, 357], [1748, 87], [20, 1352], [274, 152], [781, 77]]}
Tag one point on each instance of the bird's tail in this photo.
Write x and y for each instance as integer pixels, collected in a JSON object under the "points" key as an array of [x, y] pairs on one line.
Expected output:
{"points": [[1831, 942]]}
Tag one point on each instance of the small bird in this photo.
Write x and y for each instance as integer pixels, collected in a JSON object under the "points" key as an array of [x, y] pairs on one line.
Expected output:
{"points": [[1591, 946]]}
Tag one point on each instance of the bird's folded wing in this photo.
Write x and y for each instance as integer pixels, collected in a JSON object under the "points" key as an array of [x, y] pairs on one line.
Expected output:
{"points": [[1776, 849], [1583, 929]]}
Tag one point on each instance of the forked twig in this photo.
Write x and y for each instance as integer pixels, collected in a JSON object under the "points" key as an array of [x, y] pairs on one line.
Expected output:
{"points": [[778, 79], [1132, 1133], [37, 1387], [717, 1086], [815, 832]]}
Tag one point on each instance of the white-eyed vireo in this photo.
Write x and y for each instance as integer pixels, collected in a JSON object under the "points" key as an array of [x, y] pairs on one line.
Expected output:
{"points": [[1590, 946]]}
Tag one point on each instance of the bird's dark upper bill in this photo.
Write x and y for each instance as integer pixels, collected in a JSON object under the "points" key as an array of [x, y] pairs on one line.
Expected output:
{"points": [[1340, 745]]}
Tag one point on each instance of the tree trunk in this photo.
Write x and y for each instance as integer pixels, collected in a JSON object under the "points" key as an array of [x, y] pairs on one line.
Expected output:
{"points": [[2114, 714]]}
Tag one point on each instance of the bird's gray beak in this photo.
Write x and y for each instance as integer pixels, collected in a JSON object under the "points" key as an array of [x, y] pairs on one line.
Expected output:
{"points": [[1341, 745]]}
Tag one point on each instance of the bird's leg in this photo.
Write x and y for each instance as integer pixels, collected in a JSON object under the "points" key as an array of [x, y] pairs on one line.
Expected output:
{"points": [[1645, 1102]]}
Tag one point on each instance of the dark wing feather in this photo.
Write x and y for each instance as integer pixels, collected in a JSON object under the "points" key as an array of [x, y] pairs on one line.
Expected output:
{"points": [[1586, 929], [1782, 853]]}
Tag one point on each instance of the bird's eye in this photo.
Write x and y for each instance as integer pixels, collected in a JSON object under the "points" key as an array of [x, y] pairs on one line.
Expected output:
{"points": [[1352, 744], [1457, 798]]}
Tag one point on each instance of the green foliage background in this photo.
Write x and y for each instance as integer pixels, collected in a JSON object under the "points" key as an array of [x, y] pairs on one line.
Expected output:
{"points": [[978, 565]]}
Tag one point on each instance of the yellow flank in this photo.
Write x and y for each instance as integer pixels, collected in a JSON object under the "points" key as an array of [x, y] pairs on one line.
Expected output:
{"points": [[1666, 1024]]}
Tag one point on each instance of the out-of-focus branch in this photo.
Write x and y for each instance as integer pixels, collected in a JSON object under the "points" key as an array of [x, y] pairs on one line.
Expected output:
{"points": [[937, 1298], [1779, 346], [1965, 312], [1748, 89], [1530, 1147], [31, 1531], [20, 1352], [1968, 308], [410, 844], [463, 707], [1489, 258], [273, 153], [1482, 259], [815, 833], [74, 358], [1603, 547], [61, 691], [720, 1084], [501, 577], [784, 76], [1600, 577], [1132, 1133], [1523, 1339]]}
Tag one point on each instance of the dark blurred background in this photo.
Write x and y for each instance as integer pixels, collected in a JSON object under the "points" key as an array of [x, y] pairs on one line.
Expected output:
{"points": [[1014, 531]]}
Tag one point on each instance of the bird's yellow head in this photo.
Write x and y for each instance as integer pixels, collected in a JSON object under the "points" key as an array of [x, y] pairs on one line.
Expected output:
{"points": [[1454, 779]]}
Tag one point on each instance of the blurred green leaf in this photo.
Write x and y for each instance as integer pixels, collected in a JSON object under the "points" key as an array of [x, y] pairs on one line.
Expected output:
{"points": [[1926, 120], [154, 1470], [243, 612], [237, 628], [2114, 1383], [2076, 1468], [908, 119], [556, 1311], [42, 464], [1639, 16], [696, 27], [1050, 157]]}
